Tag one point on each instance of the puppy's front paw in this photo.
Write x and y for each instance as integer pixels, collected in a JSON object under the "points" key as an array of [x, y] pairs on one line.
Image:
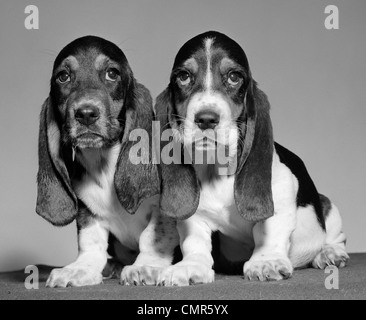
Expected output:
{"points": [[186, 274], [74, 277], [140, 275], [268, 269]]}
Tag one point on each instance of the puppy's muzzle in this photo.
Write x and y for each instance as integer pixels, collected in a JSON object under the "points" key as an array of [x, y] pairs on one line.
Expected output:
{"points": [[87, 114], [207, 120], [87, 121]]}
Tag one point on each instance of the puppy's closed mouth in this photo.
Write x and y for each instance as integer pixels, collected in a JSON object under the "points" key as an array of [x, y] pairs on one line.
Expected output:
{"points": [[205, 143], [89, 140], [89, 135]]}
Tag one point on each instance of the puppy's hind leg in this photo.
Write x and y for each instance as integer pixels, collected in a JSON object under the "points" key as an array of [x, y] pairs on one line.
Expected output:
{"points": [[333, 251]]}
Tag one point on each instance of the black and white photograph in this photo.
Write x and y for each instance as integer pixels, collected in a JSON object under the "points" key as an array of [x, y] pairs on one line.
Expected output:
{"points": [[196, 151]]}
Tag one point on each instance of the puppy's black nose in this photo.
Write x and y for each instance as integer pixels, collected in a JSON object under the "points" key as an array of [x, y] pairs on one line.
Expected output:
{"points": [[206, 120], [87, 114]]}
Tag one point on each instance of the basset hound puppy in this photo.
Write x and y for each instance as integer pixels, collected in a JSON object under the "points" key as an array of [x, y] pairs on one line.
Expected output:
{"points": [[84, 168], [262, 206]]}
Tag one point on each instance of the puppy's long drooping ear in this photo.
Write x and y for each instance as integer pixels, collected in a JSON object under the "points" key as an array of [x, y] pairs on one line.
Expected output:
{"points": [[180, 192], [56, 201], [136, 182], [253, 191]]}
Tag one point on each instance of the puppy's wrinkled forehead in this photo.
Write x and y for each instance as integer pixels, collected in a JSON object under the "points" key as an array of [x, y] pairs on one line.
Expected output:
{"points": [[208, 49], [89, 52]]}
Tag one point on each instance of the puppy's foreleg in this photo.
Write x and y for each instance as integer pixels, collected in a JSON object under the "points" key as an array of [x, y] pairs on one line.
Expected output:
{"points": [[92, 256], [270, 258], [196, 265], [157, 243]]}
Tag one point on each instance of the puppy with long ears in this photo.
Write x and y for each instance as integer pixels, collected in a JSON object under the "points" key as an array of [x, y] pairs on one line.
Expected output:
{"points": [[267, 213], [85, 172]]}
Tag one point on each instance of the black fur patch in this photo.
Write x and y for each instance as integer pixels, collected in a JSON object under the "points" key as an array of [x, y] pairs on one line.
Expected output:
{"points": [[307, 193], [84, 217], [326, 205], [88, 42]]}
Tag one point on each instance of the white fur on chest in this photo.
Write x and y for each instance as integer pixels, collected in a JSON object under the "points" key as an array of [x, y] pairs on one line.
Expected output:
{"points": [[96, 189], [218, 209]]}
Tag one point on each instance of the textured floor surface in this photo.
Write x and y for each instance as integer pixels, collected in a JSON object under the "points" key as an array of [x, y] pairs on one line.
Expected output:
{"points": [[304, 284]]}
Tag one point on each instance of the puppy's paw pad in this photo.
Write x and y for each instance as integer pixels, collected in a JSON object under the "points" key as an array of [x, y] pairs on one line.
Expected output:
{"points": [[140, 275], [268, 270], [73, 277], [331, 255], [185, 275]]}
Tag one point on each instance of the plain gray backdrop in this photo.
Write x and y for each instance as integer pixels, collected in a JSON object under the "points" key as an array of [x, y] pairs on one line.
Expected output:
{"points": [[314, 78]]}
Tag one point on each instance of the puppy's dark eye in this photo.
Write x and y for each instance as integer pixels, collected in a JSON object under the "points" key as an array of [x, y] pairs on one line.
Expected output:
{"points": [[63, 77], [234, 78], [112, 74], [184, 78]]}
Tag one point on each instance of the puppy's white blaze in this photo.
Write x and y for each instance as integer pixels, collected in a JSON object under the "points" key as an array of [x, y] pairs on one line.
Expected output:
{"points": [[208, 99], [208, 78]]}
